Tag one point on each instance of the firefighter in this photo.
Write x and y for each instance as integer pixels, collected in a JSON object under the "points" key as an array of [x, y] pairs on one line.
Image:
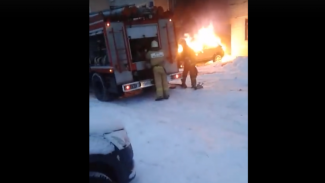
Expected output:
{"points": [[156, 57], [188, 57]]}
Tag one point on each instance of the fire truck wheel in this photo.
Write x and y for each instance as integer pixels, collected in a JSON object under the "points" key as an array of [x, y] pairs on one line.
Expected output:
{"points": [[100, 90]]}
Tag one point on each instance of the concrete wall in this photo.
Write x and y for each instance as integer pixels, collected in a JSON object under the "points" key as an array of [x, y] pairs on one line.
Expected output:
{"points": [[125, 2], [238, 13], [98, 5], [163, 3]]}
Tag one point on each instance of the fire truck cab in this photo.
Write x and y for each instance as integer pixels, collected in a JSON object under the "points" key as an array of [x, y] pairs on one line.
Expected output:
{"points": [[118, 42]]}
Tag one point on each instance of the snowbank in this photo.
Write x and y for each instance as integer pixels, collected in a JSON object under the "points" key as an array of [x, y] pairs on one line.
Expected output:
{"points": [[210, 68], [229, 77], [238, 70], [101, 122], [239, 65]]}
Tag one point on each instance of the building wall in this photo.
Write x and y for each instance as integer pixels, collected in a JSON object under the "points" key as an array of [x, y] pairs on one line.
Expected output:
{"points": [[163, 3], [238, 13], [98, 5], [128, 2]]}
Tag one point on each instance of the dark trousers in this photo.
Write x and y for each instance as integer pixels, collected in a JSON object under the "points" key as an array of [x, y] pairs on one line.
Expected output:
{"points": [[188, 67]]}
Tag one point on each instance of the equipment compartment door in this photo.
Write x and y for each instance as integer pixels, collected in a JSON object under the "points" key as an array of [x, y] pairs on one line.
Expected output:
{"points": [[119, 52], [169, 44], [141, 31]]}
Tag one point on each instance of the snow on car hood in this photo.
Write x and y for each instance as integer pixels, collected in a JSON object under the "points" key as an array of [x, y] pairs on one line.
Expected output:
{"points": [[102, 124], [99, 145]]}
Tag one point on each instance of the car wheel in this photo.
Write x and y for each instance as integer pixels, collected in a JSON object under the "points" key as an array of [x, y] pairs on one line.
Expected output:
{"points": [[217, 58], [98, 177]]}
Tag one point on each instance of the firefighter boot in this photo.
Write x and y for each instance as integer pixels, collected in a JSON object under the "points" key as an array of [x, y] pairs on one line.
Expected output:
{"points": [[193, 83], [183, 85], [159, 98]]}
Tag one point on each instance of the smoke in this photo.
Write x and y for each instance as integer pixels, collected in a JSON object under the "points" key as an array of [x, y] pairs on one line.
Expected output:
{"points": [[196, 14]]}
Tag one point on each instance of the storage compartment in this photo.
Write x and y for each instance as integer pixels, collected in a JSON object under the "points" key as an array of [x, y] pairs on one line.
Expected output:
{"points": [[141, 31], [139, 48], [97, 50]]}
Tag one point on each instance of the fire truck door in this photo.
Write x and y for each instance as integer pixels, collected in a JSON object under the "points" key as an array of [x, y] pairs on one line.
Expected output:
{"points": [[117, 47], [168, 44]]}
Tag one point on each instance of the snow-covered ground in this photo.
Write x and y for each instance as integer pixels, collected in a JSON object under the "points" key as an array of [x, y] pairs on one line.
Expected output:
{"points": [[195, 136]]}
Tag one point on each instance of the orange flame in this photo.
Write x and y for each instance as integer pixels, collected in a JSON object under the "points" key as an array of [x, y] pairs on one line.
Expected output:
{"points": [[204, 39]]}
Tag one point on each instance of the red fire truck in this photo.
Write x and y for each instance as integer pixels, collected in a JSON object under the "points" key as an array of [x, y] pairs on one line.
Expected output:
{"points": [[118, 41]]}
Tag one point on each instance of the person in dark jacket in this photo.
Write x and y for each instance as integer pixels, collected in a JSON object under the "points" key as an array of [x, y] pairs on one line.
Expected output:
{"points": [[188, 57]]}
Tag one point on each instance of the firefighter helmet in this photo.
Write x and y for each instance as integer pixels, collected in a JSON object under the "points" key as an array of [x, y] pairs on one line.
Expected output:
{"points": [[154, 44]]}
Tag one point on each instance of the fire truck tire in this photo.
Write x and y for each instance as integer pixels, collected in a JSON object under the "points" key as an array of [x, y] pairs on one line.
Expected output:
{"points": [[100, 89]]}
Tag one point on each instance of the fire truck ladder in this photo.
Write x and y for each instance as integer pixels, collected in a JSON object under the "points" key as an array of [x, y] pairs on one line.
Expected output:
{"points": [[121, 51]]}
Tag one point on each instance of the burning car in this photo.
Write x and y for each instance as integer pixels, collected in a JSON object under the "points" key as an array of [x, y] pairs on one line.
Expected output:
{"points": [[215, 54], [205, 44], [110, 156]]}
